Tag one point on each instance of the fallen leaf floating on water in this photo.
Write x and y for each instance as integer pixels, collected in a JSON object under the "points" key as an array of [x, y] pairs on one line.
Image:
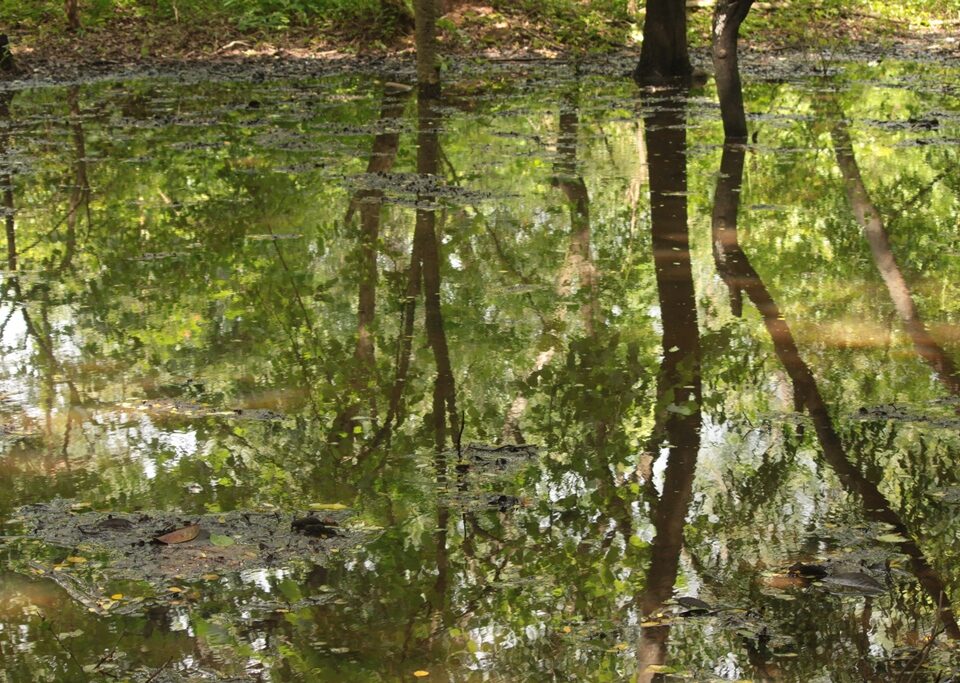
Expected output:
{"points": [[421, 673], [187, 533]]}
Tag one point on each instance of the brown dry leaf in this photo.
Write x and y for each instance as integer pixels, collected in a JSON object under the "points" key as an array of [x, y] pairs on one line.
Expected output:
{"points": [[187, 533]]}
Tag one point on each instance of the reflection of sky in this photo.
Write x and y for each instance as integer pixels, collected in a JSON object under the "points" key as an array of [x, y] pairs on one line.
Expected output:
{"points": [[18, 350], [145, 441], [16, 353]]}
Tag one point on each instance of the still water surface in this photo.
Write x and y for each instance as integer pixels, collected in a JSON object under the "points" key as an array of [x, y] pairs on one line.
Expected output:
{"points": [[736, 365]]}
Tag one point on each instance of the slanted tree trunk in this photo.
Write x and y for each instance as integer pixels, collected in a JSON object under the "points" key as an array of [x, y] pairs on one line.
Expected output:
{"points": [[72, 10], [428, 74], [664, 58], [727, 17]]}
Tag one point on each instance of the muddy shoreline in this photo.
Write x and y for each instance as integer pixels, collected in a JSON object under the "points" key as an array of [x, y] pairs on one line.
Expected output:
{"points": [[759, 64]]}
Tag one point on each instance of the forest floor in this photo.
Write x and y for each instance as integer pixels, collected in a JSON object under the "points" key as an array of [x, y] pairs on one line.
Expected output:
{"points": [[124, 41]]}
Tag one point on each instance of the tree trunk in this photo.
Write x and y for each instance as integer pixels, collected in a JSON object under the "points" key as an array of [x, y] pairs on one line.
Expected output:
{"points": [[428, 74], [6, 57], [664, 58], [727, 17], [72, 10]]}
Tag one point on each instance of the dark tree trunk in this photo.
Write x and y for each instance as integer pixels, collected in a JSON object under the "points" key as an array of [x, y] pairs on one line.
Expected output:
{"points": [[72, 10], [428, 74], [7, 64], [727, 17], [664, 58]]}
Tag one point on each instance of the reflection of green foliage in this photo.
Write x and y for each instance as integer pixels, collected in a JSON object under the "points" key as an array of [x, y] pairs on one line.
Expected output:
{"points": [[217, 270]]}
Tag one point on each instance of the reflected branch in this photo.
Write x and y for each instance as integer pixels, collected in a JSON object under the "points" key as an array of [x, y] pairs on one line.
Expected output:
{"points": [[875, 233], [736, 270]]}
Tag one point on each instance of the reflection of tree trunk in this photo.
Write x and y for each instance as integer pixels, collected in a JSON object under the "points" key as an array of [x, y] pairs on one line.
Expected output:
{"points": [[663, 55], [427, 245], [727, 17], [568, 179], [369, 202], [80, 194], [733, 265], [678, 382], [578, 263], [876, 235], [6, 177]]}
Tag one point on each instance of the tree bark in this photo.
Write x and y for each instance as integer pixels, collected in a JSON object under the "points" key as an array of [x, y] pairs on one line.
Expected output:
{"points": [[664, 57], [727, 17], [428, 73], [72, 10]]}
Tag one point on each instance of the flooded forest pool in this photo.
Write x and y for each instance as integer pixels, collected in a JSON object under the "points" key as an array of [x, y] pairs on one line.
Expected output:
{"points": [[537, 381]]}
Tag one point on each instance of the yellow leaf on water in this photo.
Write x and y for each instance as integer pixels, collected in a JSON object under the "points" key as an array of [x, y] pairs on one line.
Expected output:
{"points": [[117, 596], [175, 589], [210, 577], [567, 629], [421, 673], [76, 559]]}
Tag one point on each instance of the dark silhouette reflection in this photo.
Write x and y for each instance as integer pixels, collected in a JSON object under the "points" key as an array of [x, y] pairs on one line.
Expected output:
{"points": [[678, 382], [426, 246], [369, 204], [876, 236], [736, 271]]}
